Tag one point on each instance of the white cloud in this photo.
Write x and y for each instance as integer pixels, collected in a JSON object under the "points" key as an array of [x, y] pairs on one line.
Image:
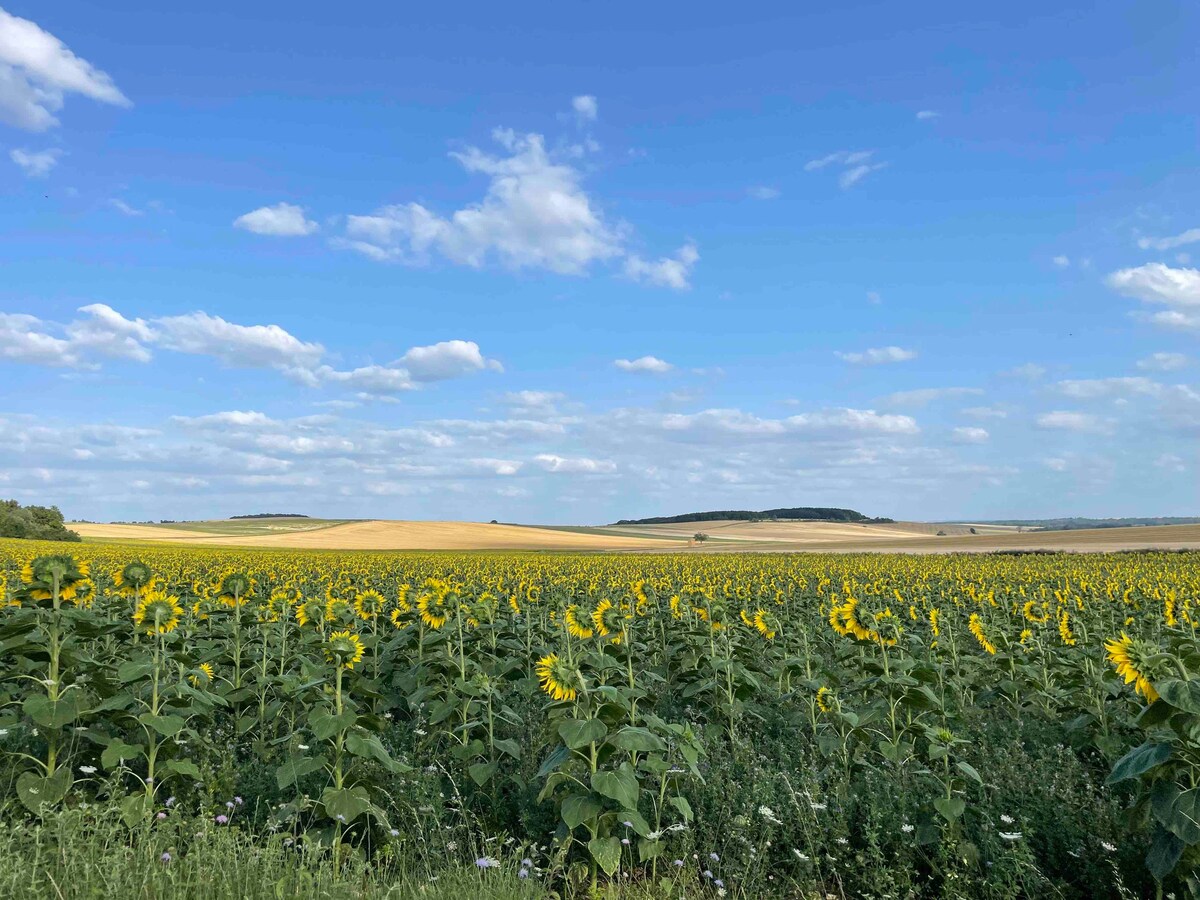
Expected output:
{"points": [[448, 359], [23, 339], [1170, 462], [1028, 371], [535, 215], [643, 364], [1062, 261], [985, 412], [35, 164], [108, 333], [1067, 420], [242, 346], [925, 396], [925, 115], [876, 356], [534, 402], [970, 435], [1109, 388], [234, 417], [856, 165], [763, 192], [826, 422], [580, 465], [1191, 236], [874, 298], [585, 108], [124, 208], [372, 380], [1158, 283], [1163, 362], [37, 71], [280, 220], [667, 271]]}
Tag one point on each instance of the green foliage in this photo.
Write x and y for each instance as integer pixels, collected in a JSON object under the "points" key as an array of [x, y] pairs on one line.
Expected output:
{"points": [[38, 523]]}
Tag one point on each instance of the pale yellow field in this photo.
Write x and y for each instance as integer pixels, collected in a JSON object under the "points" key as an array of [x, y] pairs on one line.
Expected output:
{"points": [[901, 537], [382, 535]]}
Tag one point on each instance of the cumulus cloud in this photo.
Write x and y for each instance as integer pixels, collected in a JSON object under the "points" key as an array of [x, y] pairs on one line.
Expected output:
{"points": [[1069, 420], [643, 364], [970, 435], [667, 271], [37, 71], [824, 422], [585, 108], [535, 214], [1158, 283], [102, 332], [580, 465], [877, 356], [1110, 388], [1163, 362], [1191, 236], [35, 164], [280, 220]]}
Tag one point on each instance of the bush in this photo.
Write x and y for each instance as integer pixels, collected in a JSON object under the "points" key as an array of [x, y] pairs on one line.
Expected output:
{"points": [[37, 523]]}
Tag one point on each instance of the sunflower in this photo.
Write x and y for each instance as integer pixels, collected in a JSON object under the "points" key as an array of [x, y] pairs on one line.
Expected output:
{"points": [[573, 627], [825, 699], [40, 575], [310, 611], [1064, 628], [557, 677], [203, 676], [134, 578], [432, 608], [608, 619], [400, 617], [764, 624], [975, 626], [344, 648], [369, 604], [158, 613], [234, 589], [1131, 660]]}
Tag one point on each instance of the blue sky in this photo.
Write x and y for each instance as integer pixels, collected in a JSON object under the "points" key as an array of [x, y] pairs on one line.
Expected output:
{"points": [[552, 263]]}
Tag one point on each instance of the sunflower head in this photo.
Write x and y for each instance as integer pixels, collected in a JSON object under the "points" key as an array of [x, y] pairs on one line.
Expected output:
{"points": [[235, 586], [344, 648], [825, 699], [202, 675], [137, 576], [40, 575], [1134, 661], [368, 605], [157, 613], [558, 679], [310, 611]]}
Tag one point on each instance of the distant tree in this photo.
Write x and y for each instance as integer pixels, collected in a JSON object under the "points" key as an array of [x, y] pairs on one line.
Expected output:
{"points": [[700, 537], [35, 523], [493, 522], [941, 534], [973, 531]]}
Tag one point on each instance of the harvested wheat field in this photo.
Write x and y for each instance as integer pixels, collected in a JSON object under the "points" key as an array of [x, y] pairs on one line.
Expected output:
{"points": [[723, 537], [376, 535]]}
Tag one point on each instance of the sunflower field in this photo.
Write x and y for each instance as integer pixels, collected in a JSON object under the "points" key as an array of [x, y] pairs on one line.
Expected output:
{"points": [[736, 725]]}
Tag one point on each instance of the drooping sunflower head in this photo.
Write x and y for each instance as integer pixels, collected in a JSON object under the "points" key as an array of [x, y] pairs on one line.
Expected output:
{"points": [[766, 624], [608, 618], [344, 648], [557, 677], [1134, 661], [825, 699], [39, 576], [157, 613], [202, 675], [574, 627], [136, 576], [433, 608], [369, 604], [310, 611], [235, 586]]}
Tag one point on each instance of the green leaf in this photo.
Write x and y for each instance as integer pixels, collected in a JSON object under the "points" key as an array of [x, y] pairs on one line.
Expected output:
{"points": [[36, 791], [51, 714], [635, 820], [580, 808], [1183, 695], [183, 767], [648, 850], [950, 808], [577, 733], [621, 785], [606, 852], [969, 770], [368, 746], [296, 768], [325, 724], [1164, 854], [347, 804], [135, 808], [1181, 815], [508, 746], [118, 750], [1138, 760], [683, 807], [167, 726], [132, 671], [638, 740], [553, 761], [481, 772]]}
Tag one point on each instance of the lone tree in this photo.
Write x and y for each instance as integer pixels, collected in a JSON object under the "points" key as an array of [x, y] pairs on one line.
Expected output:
{"points": [[699, 537]]}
